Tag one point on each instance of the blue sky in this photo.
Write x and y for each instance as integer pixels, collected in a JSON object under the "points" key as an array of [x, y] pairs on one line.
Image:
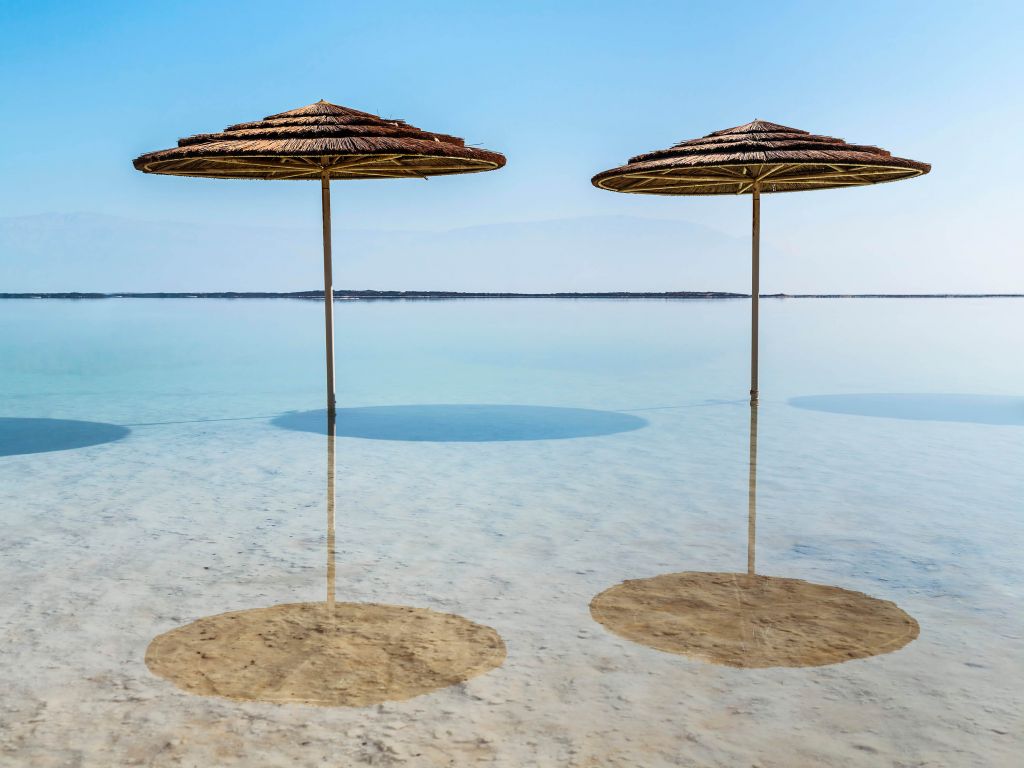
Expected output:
{"points": [[564, 89]]}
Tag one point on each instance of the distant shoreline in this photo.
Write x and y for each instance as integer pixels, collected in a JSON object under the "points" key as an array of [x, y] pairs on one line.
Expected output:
{"points": [[438, 295]]}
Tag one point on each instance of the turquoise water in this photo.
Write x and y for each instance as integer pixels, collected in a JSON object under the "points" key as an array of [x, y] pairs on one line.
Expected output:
{"points": [[507, 460]]}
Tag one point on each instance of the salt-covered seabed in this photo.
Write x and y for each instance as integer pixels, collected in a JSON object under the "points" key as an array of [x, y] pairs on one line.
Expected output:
{"points": [[207, 506]]}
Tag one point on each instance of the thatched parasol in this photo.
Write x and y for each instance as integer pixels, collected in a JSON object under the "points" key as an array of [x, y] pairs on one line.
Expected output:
{"points": [[756, 158], [321, 141]]}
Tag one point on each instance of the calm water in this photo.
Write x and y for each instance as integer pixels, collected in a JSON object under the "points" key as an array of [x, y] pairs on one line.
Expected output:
{"points": [[506, 461]]}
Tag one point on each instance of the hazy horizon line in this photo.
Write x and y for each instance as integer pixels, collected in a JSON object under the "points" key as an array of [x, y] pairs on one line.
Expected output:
{"points": [[370, 294]]}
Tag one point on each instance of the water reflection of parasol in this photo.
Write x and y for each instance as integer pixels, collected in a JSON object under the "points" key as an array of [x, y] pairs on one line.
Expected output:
{"points": [[328, 654], [750, 620]]}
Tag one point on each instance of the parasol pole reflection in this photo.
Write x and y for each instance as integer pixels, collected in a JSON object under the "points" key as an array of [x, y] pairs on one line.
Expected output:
{"points": [[742, 619], [752, 490], [331, 434]]}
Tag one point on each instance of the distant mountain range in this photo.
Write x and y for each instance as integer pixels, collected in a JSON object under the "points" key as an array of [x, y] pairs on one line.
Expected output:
{"points": [[585, 256], [94, 253]]}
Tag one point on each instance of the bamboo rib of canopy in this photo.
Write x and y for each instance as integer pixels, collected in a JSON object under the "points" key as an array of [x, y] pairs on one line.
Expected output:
{"points": [[755, 159], [321, 142]]}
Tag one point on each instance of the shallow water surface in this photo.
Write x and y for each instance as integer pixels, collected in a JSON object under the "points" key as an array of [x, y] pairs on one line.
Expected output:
{"points": [[496, 466]]}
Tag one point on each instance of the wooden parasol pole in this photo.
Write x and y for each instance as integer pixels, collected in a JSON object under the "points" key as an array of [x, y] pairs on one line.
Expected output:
{"points": [[325, 199], [755, 289], [752, 492]]}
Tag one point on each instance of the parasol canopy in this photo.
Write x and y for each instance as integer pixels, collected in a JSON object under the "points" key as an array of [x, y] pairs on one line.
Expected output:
{"points": [[772, 156], [756, 158], [307, 142], [321, 141]]}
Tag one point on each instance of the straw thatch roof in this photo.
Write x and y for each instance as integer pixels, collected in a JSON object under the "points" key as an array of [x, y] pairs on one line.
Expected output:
{"points": [[302, 143], [777, 158]]}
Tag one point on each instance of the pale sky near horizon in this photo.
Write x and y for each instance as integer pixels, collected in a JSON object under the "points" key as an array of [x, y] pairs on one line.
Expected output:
{"points": [[563, 89]]}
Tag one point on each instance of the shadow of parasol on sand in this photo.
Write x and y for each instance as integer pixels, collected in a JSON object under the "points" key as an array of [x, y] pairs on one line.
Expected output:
{"points": [[19, 436], [463, 423]]}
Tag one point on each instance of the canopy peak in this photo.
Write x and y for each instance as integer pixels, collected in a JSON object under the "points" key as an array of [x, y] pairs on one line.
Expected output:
{"points": [[758, 126]]}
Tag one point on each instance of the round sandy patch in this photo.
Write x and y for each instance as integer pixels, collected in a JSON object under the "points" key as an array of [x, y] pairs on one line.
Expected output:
{"points": [[752, 621], [356, 655]]}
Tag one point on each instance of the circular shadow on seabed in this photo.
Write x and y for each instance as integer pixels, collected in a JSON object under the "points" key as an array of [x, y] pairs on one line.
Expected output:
{"points": [[20, 436], [348, 654], [972, 409], [463, 423], [752, 621]]}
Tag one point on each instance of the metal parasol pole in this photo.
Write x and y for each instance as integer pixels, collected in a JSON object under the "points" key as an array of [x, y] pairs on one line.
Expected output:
{"points": [[755, 289], [325, 198]]}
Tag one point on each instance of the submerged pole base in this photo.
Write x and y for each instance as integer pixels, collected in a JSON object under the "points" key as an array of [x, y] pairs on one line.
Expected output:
{"points": [[753, 397]]}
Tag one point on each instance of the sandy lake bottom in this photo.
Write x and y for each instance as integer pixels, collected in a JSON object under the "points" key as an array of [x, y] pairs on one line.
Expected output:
{"points": [[498, 464]]}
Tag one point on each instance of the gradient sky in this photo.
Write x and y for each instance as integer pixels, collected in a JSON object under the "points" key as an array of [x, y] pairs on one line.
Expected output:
{"points": [[564, 89]]}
